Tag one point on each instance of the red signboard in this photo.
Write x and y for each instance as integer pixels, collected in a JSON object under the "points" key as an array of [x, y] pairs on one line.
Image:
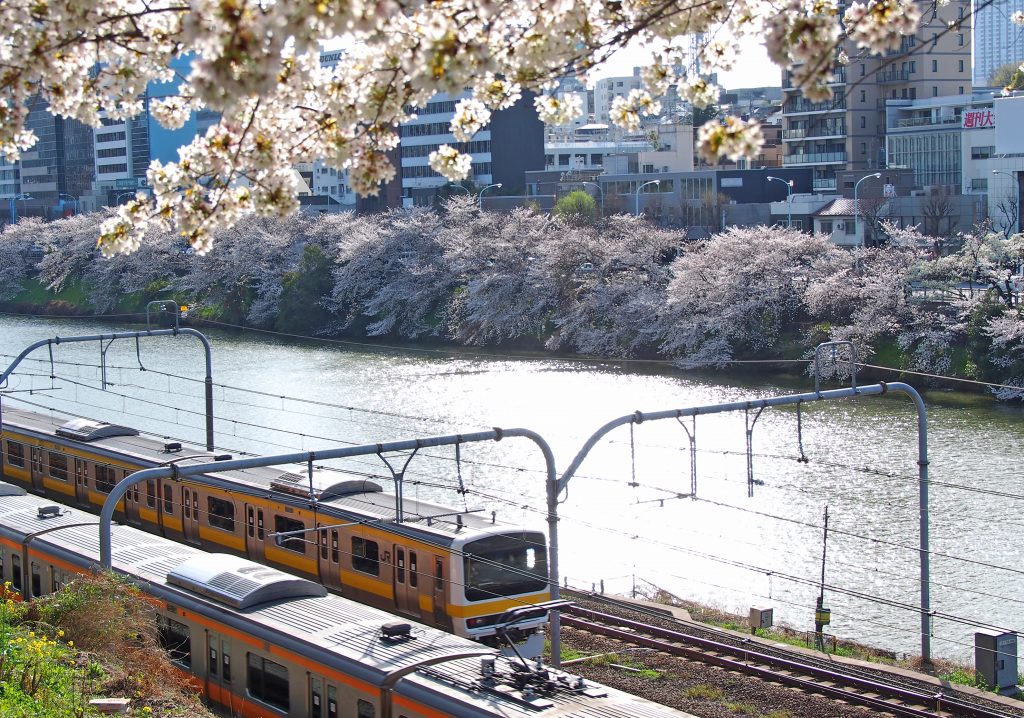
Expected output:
{"points": [[978, 119]]}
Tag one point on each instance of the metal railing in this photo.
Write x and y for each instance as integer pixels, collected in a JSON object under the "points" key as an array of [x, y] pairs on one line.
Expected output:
{"points": [[816, 158]]}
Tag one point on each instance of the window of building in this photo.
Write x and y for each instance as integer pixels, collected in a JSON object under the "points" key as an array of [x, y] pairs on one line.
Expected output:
{"points": [[221, 513], [960, 64], [58, 466], [913, 66], [979, 183], [268, 681], [175, 639], [15, 454], [863, 121], [365, 556], [862, 70], [105, 479], [960, 39], [863, 96], [961, 89], [935, 91], [111, 169], [826, 228], [112, 152], [982, 153], [935, 65], [110, 137], [296, 542], [863, 148], [935, 41]]}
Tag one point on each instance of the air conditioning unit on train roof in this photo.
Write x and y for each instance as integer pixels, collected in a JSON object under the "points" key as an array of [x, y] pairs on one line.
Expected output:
{"points": [[88, 430], [323, 487]]}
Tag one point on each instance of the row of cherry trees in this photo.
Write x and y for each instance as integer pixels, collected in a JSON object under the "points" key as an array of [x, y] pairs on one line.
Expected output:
{"points": [[621, 289]]}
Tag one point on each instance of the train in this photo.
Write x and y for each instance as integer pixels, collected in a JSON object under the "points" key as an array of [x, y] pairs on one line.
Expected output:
{"points": [[262, 643], [454, 570]]}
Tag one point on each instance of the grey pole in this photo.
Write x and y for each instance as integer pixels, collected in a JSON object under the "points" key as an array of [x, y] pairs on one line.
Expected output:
{"points": [[557, 487], [208, 383], [856, 207]]}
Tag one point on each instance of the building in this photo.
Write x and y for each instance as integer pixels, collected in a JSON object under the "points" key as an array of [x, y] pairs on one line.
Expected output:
{"points": [[848, 132], [996, 40], [501, 152]]}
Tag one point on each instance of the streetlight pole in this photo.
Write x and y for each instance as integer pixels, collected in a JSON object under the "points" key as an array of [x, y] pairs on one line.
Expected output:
{"points": [[637, 194], [458, 186], [1016, 199], [117, 200], [71, 196], [789, 198], [856, 207], [599, 190], [480, 197]]}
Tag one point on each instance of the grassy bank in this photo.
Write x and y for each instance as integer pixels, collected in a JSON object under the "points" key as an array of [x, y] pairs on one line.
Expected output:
{"points": [[95, 638]]}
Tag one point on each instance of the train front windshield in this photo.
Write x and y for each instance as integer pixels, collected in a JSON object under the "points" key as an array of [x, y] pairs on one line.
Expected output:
{"points": [[505, 565]]}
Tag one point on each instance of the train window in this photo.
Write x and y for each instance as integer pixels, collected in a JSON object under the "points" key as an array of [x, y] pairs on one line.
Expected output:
{"points": [[332, 702], [151, 494], [16, 572], [105, 480], [175, 639], [58, 466], [400, 565], [15, 454], [168, 499], [438, 574], [365, 556], [316, 709], [283, 524], [37, 580], [259, 524], [413, 578], [250, 521], [323, 544], [335, 552], [226, 664], [268, 682], [213, 661], [221, 513], [364, 709]]}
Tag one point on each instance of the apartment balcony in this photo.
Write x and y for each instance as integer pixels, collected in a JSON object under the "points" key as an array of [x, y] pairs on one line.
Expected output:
{"points": [[819, 184], [817, 158], [838, 78], [889, 77], [815, 133], [799, 105]]}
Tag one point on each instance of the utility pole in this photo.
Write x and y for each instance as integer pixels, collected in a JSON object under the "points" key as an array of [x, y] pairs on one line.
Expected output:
{"points": [[822, 615]]}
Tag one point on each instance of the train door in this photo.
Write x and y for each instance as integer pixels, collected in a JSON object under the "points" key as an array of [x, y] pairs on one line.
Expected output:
{"points": [[407, 593], [131, 503], [219, 678], [316, 697], [37, 469], [81, 483], [329, 560], [440, 593], [190, 514], [254, 532]]}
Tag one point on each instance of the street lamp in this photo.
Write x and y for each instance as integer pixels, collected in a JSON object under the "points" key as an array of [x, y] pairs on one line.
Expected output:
{"points": [[71, 196], [1016, 199], [117, 200], [638, 194], [599, 190], [458, 186], [856, 207], [789, 198], [480, 197]]}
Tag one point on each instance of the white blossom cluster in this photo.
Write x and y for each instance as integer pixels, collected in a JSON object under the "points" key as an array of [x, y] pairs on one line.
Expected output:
{"points": [[255, 63]]}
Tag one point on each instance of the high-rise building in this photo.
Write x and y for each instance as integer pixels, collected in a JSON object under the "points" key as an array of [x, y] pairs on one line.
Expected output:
{"points": [[848, 132], [997, 41]]}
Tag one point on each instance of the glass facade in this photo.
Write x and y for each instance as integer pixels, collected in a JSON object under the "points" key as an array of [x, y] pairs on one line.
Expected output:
{"points": [[934, 157]]}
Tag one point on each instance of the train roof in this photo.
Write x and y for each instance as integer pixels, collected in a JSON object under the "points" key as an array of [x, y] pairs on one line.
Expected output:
{"points": [[360, 498], [364, 642]]}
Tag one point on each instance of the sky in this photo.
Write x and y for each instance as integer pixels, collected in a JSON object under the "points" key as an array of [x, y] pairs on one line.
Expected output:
{"points": [[753, 69]]}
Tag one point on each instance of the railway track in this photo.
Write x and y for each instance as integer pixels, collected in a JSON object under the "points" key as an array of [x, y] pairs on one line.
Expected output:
{"points": [[877, 690]]}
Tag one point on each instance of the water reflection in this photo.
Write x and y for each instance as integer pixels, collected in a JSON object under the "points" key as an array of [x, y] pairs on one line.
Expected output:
{"points": [[724, 549]]}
